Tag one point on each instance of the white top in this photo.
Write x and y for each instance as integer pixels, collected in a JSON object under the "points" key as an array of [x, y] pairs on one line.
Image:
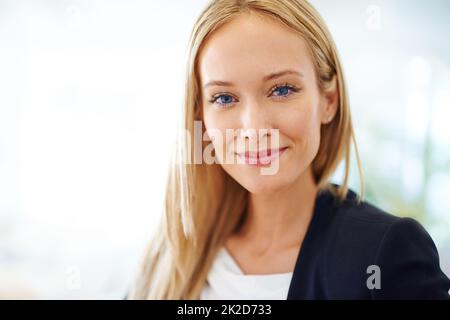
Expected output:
{"points": [[226, 281]]}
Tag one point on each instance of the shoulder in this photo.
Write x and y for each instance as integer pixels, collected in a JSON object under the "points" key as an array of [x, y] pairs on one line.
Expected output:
{"points": [[364, 225], [361, 235], [363, 213], [351, 221]]}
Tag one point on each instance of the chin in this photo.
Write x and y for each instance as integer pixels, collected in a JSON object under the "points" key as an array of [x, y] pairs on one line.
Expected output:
{"points": [[263, 184]]}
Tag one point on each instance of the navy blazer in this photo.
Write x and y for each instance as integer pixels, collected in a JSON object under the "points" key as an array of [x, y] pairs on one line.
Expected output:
{"points": [[358, 251]]}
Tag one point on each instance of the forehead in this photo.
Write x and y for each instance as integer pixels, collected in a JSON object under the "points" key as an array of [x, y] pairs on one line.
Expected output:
{"points": [[251, 46]]}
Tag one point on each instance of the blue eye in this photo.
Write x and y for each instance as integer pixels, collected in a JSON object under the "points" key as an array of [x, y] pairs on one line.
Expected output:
{"points": [[223, 99], [284, 91]]}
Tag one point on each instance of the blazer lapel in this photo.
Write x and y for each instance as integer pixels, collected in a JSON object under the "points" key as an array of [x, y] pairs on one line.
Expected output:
{"points": [[301, 286]]}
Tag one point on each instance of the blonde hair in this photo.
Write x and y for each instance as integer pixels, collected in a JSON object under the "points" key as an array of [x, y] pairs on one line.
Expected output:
{"points": [[203, 204]]}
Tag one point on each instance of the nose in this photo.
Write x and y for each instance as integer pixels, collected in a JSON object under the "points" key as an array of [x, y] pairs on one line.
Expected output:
{"points": [[255, 123]]}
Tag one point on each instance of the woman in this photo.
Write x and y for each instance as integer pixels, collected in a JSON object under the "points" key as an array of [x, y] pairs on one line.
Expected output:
{"points": [[231, 232]]}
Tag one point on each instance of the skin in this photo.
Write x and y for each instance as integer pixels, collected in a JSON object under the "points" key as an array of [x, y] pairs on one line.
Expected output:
{"points": [[243, 52]]}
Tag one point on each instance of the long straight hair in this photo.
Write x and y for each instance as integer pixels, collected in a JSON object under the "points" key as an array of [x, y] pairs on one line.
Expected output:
{"points": [[203, 204]]}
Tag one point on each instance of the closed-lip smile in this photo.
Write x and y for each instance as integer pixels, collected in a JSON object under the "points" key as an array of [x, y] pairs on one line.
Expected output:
{"points": [[262, 157]]}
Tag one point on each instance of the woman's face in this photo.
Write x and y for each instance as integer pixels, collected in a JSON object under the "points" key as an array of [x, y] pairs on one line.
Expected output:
{"points": [[257, 74]]}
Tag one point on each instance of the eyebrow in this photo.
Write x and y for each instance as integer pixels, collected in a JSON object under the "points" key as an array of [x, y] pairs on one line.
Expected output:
{"points": [[271, 76]]}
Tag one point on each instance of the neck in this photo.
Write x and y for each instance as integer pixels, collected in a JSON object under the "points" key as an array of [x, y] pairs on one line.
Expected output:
{"points": [[280, 219]]}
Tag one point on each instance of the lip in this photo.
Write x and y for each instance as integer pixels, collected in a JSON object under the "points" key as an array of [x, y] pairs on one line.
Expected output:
{"points": [[261, 158]]}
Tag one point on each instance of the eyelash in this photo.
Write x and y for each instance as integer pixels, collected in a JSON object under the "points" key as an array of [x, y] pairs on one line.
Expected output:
{"points": [[292, 88]]}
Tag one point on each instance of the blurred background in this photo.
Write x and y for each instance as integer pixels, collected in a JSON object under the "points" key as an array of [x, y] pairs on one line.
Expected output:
{"points": [[89, 93]]}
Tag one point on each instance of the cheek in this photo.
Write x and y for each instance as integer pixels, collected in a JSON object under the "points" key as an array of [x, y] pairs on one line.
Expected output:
{"points": [[222, 140], [216, 120], [226, 126], [301, 125]]}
